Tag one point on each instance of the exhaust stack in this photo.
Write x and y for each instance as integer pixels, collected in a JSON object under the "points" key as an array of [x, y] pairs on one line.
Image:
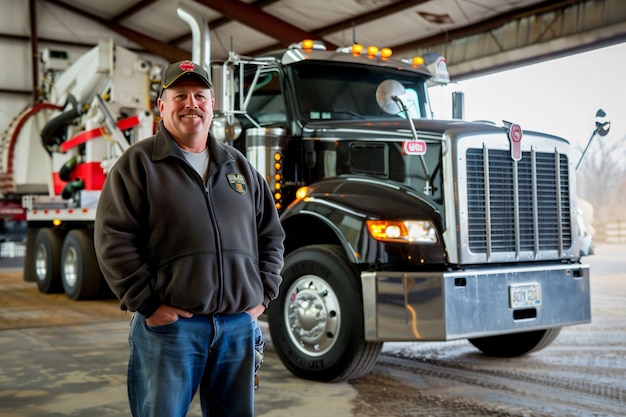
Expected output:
{"points": [[200, 35]]}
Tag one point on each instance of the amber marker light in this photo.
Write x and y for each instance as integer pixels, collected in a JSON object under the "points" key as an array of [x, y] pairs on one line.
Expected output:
{"points": [[302, 192], [378, 229], [56, 222], [417, 61], [372, 51], [357, 49], [307, 44], [385, 53]]}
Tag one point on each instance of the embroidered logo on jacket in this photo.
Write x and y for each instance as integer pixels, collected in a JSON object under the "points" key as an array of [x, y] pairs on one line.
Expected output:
{"points": [[237, 182]]}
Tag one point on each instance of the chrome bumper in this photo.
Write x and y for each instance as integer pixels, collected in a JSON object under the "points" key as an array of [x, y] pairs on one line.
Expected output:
{"points": [[438, 306]]}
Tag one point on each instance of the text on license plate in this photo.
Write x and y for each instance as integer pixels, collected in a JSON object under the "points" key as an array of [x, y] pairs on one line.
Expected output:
{"points": [[525, 295]]}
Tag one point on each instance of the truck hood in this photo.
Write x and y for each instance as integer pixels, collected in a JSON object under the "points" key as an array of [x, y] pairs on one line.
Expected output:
{"points": [[365, 195], [392, 127]]}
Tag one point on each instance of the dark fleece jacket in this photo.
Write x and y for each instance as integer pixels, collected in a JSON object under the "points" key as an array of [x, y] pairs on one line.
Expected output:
{"points": [[162, 237]]}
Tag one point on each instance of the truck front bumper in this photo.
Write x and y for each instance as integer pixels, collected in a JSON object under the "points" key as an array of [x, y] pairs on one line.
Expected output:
{"points": [[439, 306]]}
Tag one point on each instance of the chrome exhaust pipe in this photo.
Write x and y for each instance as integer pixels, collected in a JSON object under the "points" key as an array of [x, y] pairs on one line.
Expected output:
{"points": [[200, 36]]}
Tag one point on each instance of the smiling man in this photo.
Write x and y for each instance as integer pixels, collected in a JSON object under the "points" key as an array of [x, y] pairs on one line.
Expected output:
{"points": [[189, 240], [186, 105]]}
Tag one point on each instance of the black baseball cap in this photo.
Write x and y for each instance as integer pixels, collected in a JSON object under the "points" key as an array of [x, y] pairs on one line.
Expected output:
{"points": [[182, 70]]}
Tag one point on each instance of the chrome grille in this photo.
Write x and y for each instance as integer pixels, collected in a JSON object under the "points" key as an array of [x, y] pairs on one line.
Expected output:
{"points": [[519, 206]]}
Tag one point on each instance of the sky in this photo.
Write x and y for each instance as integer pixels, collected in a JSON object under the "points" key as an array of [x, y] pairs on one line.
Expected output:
{"points": [[559, 96]]}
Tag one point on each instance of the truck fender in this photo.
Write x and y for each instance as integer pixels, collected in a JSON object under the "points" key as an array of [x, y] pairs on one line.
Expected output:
{"points": [[336, 212], [306, 228]]}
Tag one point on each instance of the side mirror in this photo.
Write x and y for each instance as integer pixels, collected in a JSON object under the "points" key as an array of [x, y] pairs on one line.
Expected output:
{"points": [[388, 96], [391, 98], [603, 125]]}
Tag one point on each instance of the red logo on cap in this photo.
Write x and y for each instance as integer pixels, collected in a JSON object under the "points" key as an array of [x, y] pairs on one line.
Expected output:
{"points": [[187, 66]]}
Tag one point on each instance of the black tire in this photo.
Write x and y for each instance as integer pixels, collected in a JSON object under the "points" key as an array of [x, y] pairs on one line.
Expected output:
{"points": [[47, 260], [316, 323], [80, 272], [29, 258], [515, 344]]}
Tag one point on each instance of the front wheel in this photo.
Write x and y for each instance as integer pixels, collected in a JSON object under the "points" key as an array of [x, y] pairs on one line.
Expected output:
{"points": [[316, 323], [515, 344], [79, 267]]}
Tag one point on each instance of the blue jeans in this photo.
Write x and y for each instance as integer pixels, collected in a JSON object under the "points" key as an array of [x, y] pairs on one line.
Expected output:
{"points": [[212, 355]]}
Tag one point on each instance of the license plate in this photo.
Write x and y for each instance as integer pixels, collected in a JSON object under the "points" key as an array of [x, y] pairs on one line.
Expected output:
{"points": [[525, 295]]}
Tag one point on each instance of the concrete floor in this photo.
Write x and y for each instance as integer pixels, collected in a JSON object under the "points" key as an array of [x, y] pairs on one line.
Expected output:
{"points": [[68, 358]]}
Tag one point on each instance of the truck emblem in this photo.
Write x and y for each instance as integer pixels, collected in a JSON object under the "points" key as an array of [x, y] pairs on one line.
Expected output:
{"points": [[414, 147], [237, 182], [515, 137]]}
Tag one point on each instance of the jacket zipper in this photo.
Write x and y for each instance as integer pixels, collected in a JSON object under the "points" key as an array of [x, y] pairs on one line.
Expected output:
{"points": [[218, 244]]}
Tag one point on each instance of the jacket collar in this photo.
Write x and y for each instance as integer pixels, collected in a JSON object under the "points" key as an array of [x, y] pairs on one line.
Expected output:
{"points": [[165, 146]]}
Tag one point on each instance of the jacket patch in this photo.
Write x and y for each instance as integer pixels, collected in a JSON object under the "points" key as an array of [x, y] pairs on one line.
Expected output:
{"points": [[237, 182]]}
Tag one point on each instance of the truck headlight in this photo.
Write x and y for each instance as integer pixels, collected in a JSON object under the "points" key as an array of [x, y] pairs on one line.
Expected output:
{"points": [[409, 231]]}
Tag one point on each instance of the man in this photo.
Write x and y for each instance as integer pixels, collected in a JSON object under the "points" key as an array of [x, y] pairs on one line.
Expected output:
{"points": [[189, 240]]}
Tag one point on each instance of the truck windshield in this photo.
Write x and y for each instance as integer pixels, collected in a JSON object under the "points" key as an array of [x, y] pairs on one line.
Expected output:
{"points": [[339, 91]]}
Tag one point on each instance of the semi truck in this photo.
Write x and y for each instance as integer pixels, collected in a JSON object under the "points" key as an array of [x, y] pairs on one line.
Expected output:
{"points": [[399, 226]]}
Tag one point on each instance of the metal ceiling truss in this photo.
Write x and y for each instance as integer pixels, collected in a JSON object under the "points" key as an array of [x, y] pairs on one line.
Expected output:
{"points": [[542, 31], [532, 32], [553, 30]]}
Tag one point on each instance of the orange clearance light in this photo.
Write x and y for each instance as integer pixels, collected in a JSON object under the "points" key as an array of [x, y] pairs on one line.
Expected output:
{"points": [[307, 44], [378, 229], [357, 49], [372, 51], [385, 53], [417, 61], [302, 192], [56, 222]]}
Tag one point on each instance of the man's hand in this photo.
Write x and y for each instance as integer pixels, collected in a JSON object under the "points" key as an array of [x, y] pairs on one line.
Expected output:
{"points": [[256, 311], [167, 314]]}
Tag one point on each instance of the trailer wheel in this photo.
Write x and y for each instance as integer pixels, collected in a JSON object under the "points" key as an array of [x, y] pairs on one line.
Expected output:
{"points": [[79, 267], [29, 259], [316, 323], [47, 260], [515, 344]]}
